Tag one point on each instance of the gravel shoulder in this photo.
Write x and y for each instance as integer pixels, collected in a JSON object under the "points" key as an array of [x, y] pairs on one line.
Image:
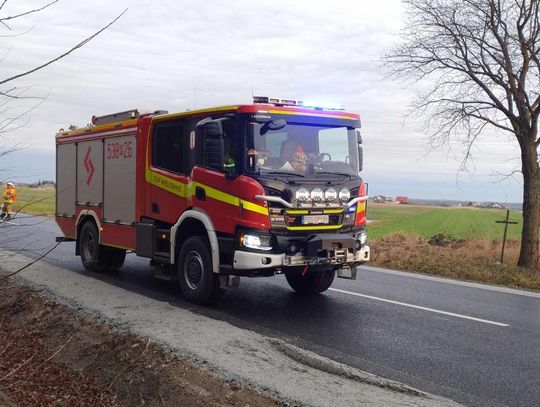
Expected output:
{"points": [[234, 365]]}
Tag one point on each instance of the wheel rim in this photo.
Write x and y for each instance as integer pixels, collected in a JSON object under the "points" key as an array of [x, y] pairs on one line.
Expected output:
{"points": [[193, 270]]}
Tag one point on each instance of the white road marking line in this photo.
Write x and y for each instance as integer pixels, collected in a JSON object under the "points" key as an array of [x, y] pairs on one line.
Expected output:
{"points": [[10, 222], [444, 280], [404, 304]]}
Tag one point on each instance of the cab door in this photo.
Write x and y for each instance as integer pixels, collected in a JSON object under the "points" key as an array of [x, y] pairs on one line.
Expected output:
{"points": [[168, 166]]}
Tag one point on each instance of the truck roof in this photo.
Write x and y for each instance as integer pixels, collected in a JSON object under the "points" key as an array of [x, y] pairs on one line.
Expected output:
{"points": [[262, 108]]}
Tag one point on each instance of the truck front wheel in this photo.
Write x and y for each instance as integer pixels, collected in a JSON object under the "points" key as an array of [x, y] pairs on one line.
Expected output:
{"points": [[93, 255], [313, 282], [197, 281]]}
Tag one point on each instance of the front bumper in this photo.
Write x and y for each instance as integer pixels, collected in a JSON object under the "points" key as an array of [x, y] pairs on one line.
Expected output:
{"points": [[338, 257]]}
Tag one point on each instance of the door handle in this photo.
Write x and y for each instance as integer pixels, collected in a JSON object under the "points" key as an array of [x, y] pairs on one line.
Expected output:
{"points": [[200, 193]]}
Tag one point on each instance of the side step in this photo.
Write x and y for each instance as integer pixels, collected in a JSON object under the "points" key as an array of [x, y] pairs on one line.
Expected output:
{"points": [[61, 239], [162, 257]]}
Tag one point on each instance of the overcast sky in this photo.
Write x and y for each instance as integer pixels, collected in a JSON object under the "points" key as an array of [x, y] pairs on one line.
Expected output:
{"points": [[178, 55]]}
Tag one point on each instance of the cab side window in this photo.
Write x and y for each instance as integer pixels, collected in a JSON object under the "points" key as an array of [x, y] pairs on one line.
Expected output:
{"points": [[169, 147]]}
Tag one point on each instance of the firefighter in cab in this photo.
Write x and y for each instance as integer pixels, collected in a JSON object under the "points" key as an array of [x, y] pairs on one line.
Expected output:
{"points": [[7, 201]]}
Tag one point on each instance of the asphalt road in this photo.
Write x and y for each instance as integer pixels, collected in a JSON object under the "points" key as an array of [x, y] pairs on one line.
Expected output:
{"points": [[476, 344]]}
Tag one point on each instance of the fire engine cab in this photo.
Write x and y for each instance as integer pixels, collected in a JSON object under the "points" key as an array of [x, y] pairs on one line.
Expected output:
{"points": [[210, 195]]}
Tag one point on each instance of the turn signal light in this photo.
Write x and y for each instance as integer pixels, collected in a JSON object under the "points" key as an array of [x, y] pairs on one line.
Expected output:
{"points": [[360, 219]]}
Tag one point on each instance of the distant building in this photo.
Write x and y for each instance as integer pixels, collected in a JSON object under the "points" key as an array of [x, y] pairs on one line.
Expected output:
{"points": [[402, 199], [492, 205], [379, 199]]}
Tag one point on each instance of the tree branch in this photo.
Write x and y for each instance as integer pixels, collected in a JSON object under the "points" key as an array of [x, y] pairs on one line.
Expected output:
{"points": [[79, 45], [4, 19]]}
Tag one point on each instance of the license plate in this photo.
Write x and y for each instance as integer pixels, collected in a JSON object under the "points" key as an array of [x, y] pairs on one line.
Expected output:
{"points": [[315, 219]]}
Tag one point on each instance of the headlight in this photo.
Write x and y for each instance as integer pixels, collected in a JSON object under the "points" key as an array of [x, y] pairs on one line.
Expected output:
{"points": [[330, 194], [302, 195], [258, 242], [344, 195], [362, 237], [317, 195]]}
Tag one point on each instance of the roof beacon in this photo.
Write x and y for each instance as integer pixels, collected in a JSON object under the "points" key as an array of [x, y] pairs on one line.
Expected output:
{"points": [[291, 102], [277, 101]]}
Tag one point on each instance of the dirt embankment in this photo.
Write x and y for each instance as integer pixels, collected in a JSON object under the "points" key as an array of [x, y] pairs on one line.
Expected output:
{"points": [[443, 255], [50, 356]]}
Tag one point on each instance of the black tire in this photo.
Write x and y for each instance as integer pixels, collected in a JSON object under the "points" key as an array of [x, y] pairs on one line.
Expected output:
{"points": [[93, 255], [196, 278], [313, 282], [114, 258]]}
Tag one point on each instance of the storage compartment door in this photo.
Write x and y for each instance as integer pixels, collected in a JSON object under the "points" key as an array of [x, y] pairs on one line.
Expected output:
{"points": [[90, 173], [119, 180], [66, 179]]}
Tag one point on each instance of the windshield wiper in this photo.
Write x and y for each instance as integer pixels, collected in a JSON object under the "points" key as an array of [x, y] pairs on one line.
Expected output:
{"points": [[283, 173], [343, 174]]}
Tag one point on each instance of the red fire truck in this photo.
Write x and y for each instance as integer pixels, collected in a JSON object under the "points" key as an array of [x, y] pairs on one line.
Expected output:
{"points": [[211, 195]]}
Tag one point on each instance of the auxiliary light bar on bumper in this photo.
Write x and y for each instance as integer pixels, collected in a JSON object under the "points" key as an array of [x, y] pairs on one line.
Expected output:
{"points": [[283, 202]]}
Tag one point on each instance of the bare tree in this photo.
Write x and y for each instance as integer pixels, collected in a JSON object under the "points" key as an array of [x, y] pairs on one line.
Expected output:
{"points": [[12, 117], [483, 58]]}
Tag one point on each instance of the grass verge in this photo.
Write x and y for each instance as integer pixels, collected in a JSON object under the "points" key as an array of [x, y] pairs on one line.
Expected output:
{"points": [[35, 201], [463, 259]]}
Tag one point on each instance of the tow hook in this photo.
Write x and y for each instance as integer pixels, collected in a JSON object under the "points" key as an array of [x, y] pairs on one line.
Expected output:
{"points": [[305, 271]]}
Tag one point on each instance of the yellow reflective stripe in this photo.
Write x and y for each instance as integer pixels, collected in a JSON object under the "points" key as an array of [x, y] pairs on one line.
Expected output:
{"points": [[250, 206], [361, 207], [193, 112], [218, 195], [327, 211], [120, 125], [187, 190], [306, 211], [311, 114], [327, 227], [168, 184]]}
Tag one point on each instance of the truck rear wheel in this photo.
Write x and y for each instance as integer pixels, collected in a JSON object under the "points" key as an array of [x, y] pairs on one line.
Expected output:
{"points": [[313, 282], [196, 278], [93, 255]]}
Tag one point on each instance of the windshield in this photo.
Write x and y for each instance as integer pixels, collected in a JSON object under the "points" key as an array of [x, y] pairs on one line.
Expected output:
{"points": [[302, 149]]}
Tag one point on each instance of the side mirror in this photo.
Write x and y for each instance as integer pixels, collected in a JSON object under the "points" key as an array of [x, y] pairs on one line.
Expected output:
{"points": [[213, 153], [213, 147], [360, 150]]}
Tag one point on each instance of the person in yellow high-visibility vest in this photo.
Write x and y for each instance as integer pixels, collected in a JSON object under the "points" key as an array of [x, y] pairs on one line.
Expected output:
{"points": [[7, 200]]}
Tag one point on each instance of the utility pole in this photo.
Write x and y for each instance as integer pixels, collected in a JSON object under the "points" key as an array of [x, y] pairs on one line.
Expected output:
{"points": [[506, 223]]}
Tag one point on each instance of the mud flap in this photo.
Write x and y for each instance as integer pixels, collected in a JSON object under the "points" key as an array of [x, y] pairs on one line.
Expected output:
{"points": [[348, 273]]}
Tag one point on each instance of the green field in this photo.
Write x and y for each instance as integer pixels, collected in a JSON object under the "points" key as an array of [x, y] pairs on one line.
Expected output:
{"points": [[427, 221], [36, 201]]}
